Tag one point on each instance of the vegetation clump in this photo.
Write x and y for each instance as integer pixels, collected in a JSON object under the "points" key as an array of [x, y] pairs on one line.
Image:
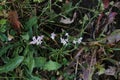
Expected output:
{"points": [[59, 40]]}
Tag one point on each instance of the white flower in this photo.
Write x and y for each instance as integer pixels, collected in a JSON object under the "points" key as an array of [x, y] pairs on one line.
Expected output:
{"points": [[53, 35], [78, 40], [67, 34], [37, 40], [34, 40], [64, 41]]}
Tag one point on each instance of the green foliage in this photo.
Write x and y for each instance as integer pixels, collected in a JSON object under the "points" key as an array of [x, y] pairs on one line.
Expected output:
{"points": [[25, 36], [100, 68], [40, 62], [67, 8], [29, 75], [29, 61], [28, 57], [3, 21], [4, 49], [12, 64], [39, 1], [31, 22], [3, 37], [51, 65], [2, 25]]}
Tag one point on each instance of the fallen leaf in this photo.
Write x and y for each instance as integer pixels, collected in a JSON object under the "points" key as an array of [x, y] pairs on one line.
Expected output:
{"points": [[68, 20], [111, 17], [114, 37], [110, 71], [60, 78], [14, 21], [117, 4]]}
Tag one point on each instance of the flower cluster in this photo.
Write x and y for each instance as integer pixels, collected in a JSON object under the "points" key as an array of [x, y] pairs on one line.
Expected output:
{"points": [[79, 40], [38, 40], [64, 41], [53, 35]]}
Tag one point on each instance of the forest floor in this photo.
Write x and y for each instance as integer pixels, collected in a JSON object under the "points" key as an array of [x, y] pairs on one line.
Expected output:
{"points": [[59, 40]]}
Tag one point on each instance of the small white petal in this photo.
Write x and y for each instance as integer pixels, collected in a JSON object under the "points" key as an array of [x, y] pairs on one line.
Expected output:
{"points": [[40, 37], [67, 34], [34, 38], [80, 40], [53, 35], [33, 42], [39, 42], [63, 41]]}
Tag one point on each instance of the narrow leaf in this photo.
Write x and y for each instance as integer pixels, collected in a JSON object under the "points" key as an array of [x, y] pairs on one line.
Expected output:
{"points": [[31, 22], [12, 64]]}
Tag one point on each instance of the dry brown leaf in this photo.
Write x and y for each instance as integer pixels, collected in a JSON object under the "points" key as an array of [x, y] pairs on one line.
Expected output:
{"points": [[14, 21], [114, 37], [68, 20], [110, 71], [60, 78], [117, 4]]}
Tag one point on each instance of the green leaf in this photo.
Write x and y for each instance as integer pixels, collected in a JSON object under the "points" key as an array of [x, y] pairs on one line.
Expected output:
{"points": [[29, 61], [3, 21], [116, 49], [25, 36], [35, 78], [1, 7], [101, 70], [67, 6], [85, 17], [12, 64], [3, 37], [3, 50], [39, 1], [40, 62], [31, 22], [51, 65], [29, 75], [111, 60]]}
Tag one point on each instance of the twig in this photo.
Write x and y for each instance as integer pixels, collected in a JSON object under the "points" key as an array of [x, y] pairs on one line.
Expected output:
{"points": [[75, 58]]}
